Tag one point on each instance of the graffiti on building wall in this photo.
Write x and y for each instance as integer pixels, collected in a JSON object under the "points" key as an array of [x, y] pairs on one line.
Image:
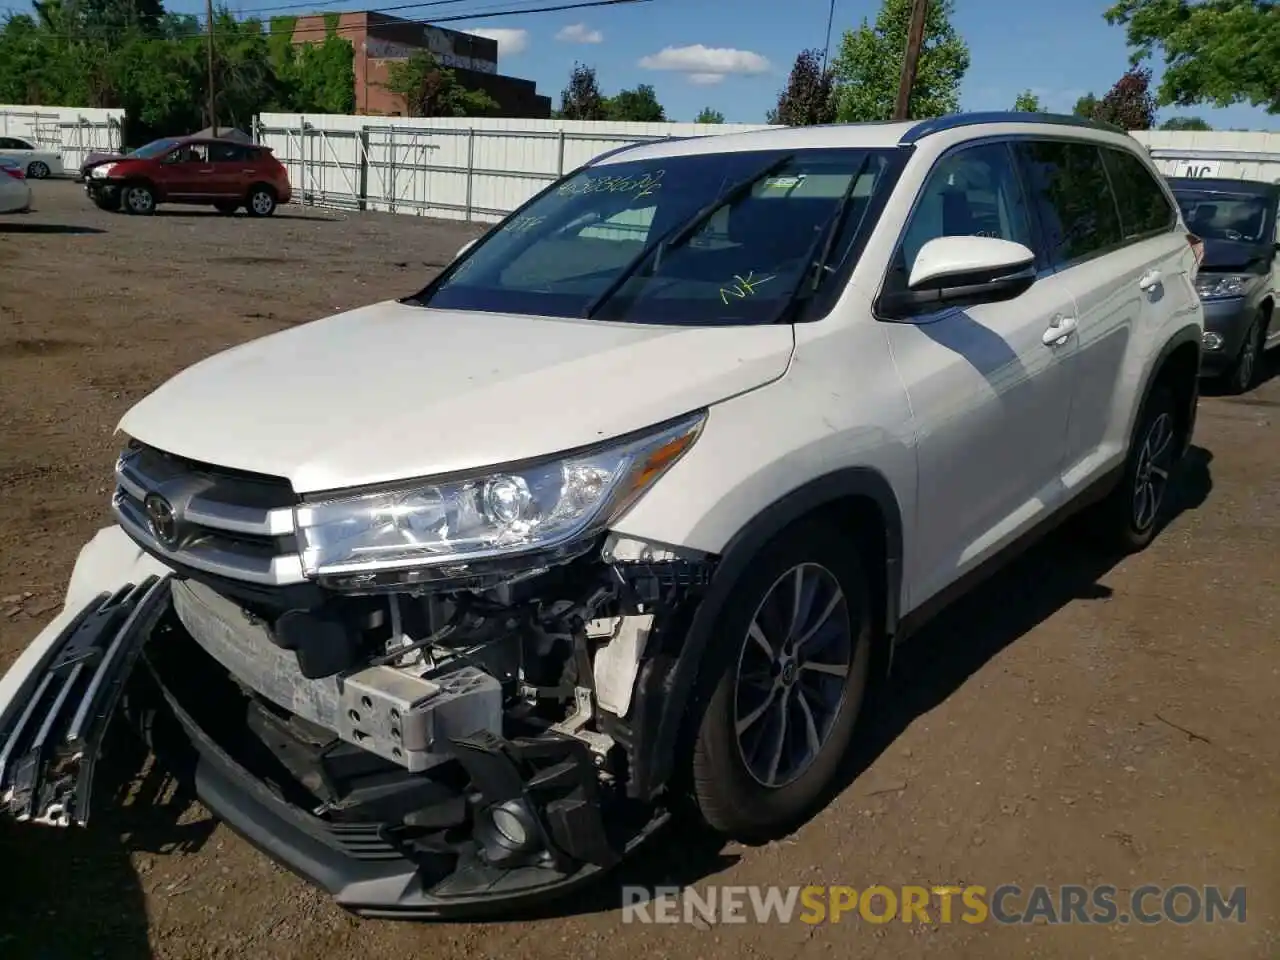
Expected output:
{"points": [[438, 42]]}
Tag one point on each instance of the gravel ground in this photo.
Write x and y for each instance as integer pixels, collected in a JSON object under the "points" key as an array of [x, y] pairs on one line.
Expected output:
{"points": [[1073, 722]]}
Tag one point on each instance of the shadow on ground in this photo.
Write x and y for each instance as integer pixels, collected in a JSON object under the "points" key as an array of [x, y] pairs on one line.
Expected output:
{"points": [[73, 893], [78, 895], [10, 226], [199, 213]]}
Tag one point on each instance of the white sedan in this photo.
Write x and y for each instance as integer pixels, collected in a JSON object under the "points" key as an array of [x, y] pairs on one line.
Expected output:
{"points": [[38, 163], [15, 192]]}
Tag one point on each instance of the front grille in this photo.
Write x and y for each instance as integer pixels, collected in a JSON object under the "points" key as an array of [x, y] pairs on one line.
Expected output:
{"points": [[223, 522]]}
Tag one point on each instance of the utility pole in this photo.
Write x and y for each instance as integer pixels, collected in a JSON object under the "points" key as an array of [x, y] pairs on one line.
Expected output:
{"points": [[208, 16], [911, 60]]}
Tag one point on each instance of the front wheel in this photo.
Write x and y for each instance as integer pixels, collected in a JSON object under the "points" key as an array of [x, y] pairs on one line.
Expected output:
{"points": [[38, 170], [1244, 369], [261, 202], [139, 199], [790, 663]]}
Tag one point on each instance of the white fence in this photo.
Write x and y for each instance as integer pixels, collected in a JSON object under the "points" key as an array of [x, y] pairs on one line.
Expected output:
{"points": [[1235, 155], [454, 168], [73, 132]]}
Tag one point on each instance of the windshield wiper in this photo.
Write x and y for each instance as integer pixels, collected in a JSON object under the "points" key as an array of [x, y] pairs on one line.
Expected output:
{"points": [[681, 232], [816, 270]]}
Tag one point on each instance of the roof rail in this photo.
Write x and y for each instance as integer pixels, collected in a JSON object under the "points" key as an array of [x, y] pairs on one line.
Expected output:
{"points": [[955, 120]]}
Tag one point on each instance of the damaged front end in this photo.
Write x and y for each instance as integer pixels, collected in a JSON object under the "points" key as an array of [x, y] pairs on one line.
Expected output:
{"points": [[446, 746]]}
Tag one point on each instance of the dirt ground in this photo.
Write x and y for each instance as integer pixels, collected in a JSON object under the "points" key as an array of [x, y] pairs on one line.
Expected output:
{"points": [[1073, 722]]}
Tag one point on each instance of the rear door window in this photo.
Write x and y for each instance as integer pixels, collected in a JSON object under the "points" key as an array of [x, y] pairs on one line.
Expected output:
{"points": [[1144, 208], [1072, 195]]}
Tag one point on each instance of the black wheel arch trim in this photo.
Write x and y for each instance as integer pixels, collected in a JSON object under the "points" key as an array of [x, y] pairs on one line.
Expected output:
{"points": [[667, 683]]}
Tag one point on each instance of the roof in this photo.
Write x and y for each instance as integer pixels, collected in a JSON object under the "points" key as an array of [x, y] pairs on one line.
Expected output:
{"points": [[874, 135], [224, 133], [1223, 185]]}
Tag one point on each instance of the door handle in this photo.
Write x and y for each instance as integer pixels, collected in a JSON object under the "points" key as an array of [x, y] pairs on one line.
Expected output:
{"points": [[1149, 279], [1060, 328]]}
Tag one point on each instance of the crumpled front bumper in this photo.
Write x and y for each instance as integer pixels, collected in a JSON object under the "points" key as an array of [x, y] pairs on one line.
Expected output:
{"points": [[57, 701]]}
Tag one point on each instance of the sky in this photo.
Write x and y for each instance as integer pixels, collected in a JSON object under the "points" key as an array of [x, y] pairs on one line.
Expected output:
{"points": [[734, 55]]}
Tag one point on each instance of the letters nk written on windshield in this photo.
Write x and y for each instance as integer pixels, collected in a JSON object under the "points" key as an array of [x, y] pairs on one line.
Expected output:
{"points": [[730, 238]]}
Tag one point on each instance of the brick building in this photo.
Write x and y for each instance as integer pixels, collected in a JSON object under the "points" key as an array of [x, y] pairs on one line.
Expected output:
{"points": [[380, 39]]}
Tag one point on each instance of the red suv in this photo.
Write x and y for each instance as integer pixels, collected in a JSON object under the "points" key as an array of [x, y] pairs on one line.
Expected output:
{"points": [[225, 174]]}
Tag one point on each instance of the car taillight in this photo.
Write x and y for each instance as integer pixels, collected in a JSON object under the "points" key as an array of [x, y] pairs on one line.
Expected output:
{"points": [[1197, 247], [16, 172]]}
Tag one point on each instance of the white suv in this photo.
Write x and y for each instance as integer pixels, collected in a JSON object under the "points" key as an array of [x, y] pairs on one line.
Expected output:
{"points": [[451, 599]]}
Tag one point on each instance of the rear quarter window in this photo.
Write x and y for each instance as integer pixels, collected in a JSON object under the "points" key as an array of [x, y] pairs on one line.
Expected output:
{"points": [[1144, 208]]}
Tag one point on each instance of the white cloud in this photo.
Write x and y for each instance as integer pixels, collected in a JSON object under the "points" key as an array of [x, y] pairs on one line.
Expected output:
{"points": [[510, 42], [706, 65], [579, 33]]}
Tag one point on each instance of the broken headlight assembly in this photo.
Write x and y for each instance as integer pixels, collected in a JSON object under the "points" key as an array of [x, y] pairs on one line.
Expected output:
{"points": [[521, 517]]}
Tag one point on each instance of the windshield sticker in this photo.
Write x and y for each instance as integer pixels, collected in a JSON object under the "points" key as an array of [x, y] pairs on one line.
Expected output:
{"points": [[522, 224], [784, 183], [642, 186], [743, 287]]}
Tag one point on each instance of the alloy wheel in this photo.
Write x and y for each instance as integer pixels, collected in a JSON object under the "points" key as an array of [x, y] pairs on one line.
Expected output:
{"points": [[262, 202], [1248, 360], [38, 170], [140, 200], [1151, 480], [792, 672]]}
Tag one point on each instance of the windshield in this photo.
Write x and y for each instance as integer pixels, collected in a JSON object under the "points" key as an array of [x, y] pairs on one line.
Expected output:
{"points": [[571, 248], [1240, 217], [154, 149]]}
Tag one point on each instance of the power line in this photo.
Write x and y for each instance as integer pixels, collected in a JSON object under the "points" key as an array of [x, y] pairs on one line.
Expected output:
{"points": [[826, 46], [481, 14]]}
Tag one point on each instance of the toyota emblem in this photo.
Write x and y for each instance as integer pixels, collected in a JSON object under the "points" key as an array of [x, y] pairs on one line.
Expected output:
{"points": [[160, 517]]}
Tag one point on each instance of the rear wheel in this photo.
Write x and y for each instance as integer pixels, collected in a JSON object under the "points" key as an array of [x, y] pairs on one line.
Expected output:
{"points": [[37, 170], [138, 198], [261, 201], [1130, 515], [790, 663]]}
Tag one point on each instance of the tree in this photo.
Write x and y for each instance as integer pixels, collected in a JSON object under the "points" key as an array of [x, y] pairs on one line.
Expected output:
{"points": [[1086, 106], [1219, 53], [709, 116], [1185, 123], [870, 62], [1027, 102], [430, 90], [581, 99], [640, 104], [1129, 105], [807, 99]]}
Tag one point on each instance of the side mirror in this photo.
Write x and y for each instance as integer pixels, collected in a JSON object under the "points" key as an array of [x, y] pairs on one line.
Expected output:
{"points": [[954, 271]]}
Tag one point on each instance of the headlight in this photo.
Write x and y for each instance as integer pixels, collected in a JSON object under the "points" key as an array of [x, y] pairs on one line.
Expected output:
{"points": [[552, 507], [102, 171], [1222, 288]]}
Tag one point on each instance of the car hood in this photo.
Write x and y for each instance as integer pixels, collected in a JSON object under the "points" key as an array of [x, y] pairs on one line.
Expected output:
{"points": [[390, 391], [1232, 256]]}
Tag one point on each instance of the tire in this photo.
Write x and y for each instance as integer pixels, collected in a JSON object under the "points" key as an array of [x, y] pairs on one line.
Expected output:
{"points": [[138, 199], [1130, 515], [744, 786], [1241, 376], [226, 209], [261, 201], [38, 170]]}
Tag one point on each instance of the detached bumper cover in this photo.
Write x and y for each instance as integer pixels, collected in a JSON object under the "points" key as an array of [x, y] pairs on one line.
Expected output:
{"points": [[51, 730]]}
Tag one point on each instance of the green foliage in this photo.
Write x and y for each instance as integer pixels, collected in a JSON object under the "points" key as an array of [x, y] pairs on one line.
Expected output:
{"points": [[1215, 52], [640, 104], [430, 90], [1028, 102], [1086, 106], [1185, 123], [331, 21], [869, 65], [135, 55], [808, 97], [709, 116], [581, 99]]}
